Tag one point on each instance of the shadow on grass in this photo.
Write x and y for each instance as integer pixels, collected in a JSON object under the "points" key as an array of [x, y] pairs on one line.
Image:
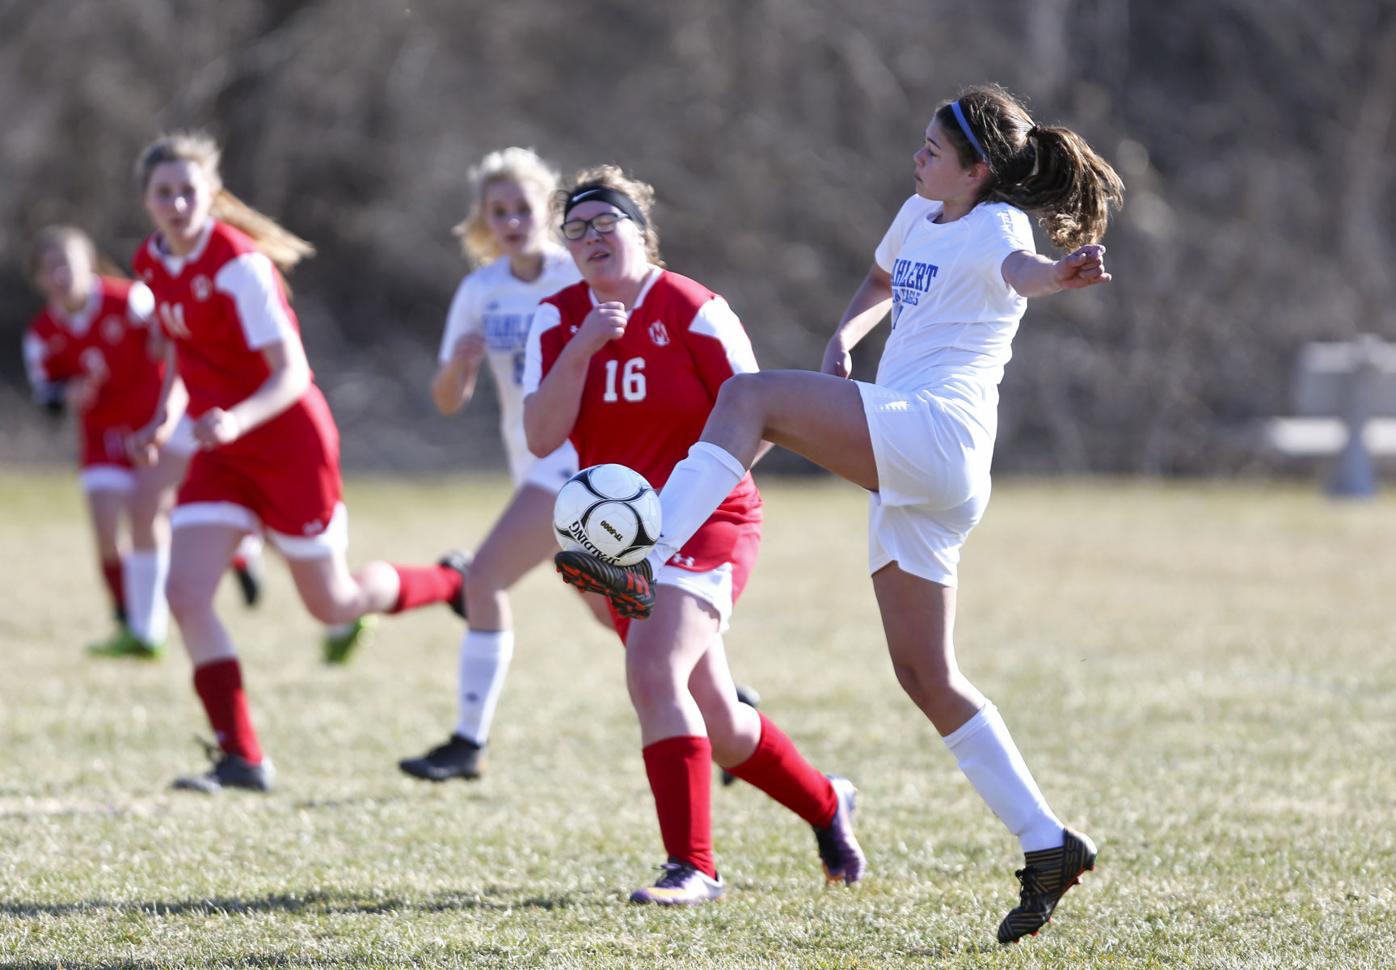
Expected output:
{"points": [[294, 903]]}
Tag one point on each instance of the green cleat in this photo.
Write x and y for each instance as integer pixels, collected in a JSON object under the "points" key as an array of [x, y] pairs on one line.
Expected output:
{"points": [[341, 641], [124, 643]]}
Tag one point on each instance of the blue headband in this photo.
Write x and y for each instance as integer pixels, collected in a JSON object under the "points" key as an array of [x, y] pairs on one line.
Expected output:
{"points": [[964, 126]]}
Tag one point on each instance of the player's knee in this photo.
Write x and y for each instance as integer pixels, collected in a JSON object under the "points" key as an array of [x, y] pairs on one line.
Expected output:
{"points": [[186, 596], [327, 609], [740, 394]]}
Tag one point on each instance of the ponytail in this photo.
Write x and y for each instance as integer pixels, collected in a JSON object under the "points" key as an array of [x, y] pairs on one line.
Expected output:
{"points": [[284, 248], [1049, 171]]}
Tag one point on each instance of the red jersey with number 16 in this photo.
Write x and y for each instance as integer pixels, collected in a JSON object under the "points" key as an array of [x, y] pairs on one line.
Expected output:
{"points": [[648, 394]]}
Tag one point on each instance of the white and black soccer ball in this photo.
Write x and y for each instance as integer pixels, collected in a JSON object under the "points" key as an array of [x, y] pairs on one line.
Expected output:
{"points": [[609, 511]]}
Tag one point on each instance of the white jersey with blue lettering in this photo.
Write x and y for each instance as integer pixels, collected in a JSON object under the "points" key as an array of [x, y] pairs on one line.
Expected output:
{"points": [[494, 302], [953, 315]]}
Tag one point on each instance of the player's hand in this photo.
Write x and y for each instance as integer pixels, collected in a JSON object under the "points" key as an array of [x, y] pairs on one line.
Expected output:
{"points": [[216, 427], [143, 445], [469, 349], [837, 359], [605, 322], [1082, 268], [80, 392]]}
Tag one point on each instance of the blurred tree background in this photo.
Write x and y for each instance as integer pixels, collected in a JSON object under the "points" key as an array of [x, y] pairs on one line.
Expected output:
{"points": [[1255, 138]]}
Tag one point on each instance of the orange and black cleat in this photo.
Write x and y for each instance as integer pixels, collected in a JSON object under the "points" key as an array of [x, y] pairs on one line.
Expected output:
{"points": [[629, 588]]}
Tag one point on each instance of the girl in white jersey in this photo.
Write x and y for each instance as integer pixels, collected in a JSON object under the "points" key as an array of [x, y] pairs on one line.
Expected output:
{"points": [[505, 234], [956, 268]]}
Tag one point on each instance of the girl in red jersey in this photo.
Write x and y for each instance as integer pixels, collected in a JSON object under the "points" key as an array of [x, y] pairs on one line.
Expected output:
{"points": [[627, 364], [268, 455], [90, 348], [956, 268]]}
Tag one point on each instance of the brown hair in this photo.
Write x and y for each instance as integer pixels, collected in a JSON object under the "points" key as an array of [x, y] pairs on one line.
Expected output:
{"points": [[60, 237], [1048, 171], [612, 177], [523, 167], [283, 248]]}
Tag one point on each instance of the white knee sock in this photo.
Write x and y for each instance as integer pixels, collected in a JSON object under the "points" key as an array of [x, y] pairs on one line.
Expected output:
{"points": [[250, 547], [696, 487], [484, 663], [143, 579], [990, 760]]}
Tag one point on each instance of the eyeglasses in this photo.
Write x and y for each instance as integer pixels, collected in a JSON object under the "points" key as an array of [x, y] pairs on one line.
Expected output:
{"points": [[604, 224]]}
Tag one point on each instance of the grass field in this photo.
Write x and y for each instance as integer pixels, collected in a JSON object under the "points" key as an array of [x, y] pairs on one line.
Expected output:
{"points": [[1203, 678]]}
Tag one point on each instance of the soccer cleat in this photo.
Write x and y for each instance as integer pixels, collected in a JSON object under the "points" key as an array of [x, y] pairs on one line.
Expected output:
{"points": [[681, 885], [124, 643], [459, 757], [1045, 878], [459, 561], [229, 771], [838, 847], [341, 641], [248, 573], [629, 588], [749, 697]]}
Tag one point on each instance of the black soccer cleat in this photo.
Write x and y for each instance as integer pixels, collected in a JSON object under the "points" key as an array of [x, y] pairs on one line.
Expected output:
{"points": [[749, 697], [460, 561], [1045, 878], [229, 771], [248, 573], [629, 588], [459, 757]]}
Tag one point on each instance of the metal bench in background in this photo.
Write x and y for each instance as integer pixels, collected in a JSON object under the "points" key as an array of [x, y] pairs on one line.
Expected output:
{"points": [[1344, 401]]}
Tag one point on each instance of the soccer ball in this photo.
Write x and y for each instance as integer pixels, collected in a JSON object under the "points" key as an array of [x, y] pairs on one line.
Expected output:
{"points": [[609, 511]]}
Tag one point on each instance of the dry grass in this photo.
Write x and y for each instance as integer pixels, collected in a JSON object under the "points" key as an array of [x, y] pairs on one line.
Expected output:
{"points": [[1201, 677]]}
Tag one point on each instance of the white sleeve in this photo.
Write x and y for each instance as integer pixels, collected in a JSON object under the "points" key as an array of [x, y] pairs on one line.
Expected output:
{"points": [[140, 304], [462, 318], [887, 250], [1009, 231], [250, 280], [716, 318], [34, 358], [544, 318]]}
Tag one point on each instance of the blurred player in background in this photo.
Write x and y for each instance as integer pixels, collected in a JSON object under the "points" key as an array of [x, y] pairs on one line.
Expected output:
{"points": [[268, 448], [92, 349], [956, 267], [506, 236], [627, 364]]}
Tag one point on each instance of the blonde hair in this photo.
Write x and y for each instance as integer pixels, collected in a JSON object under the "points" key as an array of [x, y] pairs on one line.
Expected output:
{"points": [[523, 167], [612, 177], [282, 247], [60, 237]]}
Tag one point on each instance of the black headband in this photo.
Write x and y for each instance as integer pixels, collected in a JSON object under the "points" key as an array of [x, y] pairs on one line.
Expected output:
{"points": [[602, 193]]}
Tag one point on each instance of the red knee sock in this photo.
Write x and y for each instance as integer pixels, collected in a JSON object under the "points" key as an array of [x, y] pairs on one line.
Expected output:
{"points": [[778, 769], [219, 686], [680, 776], [424, 585], [111, 575]]}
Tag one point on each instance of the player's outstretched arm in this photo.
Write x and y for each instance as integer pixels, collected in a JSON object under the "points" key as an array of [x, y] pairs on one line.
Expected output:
{"points": [[1034, 275]]}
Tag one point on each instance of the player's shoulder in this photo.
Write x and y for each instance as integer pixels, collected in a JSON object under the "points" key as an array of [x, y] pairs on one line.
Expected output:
{"points": [[114, 288], [677, 289], [1001, 214], [42, 325], [226, 243], [571, 299]]}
